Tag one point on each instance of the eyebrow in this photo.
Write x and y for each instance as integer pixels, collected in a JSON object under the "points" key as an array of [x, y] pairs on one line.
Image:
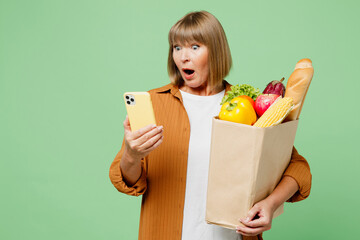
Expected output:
{"points": [[190, 43]]}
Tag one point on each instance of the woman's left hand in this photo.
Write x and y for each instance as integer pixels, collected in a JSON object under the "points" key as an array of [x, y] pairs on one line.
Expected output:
{"points": [[260, 216], [258, 219]]}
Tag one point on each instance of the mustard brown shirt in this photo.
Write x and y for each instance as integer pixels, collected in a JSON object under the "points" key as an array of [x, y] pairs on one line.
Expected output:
{"points": [[163, 178]]}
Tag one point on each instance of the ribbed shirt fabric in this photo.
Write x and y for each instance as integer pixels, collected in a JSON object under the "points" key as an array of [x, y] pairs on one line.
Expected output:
{"points": [[163, 179]]}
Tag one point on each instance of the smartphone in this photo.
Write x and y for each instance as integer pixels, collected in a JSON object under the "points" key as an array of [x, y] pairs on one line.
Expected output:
{"points": [[139, 109]]}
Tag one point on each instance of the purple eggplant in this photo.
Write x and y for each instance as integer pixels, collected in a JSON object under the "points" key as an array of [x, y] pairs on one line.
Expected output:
{"points": [[275, 87]]}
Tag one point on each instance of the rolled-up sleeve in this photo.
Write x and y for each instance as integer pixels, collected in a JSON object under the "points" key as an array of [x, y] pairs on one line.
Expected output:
{"points": [[299, 170], [117, 180]]}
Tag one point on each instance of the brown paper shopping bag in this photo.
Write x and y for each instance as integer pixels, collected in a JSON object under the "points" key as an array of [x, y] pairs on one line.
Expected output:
{"points": [[246, 163]]}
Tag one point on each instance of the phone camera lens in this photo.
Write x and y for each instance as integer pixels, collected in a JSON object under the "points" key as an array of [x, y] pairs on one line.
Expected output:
{"points": [[128, 102], [127, 97], [132, 99]]}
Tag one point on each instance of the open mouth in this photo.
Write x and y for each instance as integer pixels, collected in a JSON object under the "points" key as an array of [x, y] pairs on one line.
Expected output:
{"points": [[188, 71]]}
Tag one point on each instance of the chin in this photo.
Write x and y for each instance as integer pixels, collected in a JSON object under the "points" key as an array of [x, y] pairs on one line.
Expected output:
{"points": [[194, 84]]}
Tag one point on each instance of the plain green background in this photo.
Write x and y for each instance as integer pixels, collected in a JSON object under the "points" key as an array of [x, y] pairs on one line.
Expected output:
{"points": [[64, 66]]}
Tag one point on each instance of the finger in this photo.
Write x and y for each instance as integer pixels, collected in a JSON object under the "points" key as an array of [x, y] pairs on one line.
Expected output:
{"points": [[252, 232], [155, 145], [245, 234], [126, 124], [151, 141], [139, 133], [251, 214], [144, 139], [263, 221], [249, 231]]}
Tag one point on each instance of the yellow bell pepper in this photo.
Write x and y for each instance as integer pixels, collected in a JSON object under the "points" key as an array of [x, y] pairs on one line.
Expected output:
{"points": [[239, 110]]}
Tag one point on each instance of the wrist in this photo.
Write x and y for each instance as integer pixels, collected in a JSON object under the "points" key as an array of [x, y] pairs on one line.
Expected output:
{"points": [[273, 202], [130, 168], [130, 158], [283, 191]]}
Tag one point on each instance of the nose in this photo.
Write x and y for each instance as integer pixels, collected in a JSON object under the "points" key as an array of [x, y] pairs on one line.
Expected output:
{"points": [[185, 56]]}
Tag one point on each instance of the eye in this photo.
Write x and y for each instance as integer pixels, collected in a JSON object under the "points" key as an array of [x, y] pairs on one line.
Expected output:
{"points": [[177, 48], [195, 47]]}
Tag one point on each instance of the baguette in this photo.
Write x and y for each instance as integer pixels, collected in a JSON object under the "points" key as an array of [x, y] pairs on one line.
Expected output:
{"points": [[298, 85]]}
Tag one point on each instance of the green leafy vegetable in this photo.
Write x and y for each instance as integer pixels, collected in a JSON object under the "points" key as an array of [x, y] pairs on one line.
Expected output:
{"points": [[238, 90]]}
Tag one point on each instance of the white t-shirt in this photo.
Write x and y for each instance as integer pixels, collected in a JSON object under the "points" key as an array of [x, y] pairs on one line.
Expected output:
{"points": [[200, 110]]}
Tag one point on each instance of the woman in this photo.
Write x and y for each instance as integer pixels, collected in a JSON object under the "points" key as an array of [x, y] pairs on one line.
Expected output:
{"points": [[168, 163]]}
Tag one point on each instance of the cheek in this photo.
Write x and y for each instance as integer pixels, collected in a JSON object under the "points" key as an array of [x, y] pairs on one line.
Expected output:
{"points": [[203, 60], [204, 65], [176, 60]]}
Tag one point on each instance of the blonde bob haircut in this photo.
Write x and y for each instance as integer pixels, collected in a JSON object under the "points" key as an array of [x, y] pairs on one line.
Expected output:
{"points": [[201, 27]]}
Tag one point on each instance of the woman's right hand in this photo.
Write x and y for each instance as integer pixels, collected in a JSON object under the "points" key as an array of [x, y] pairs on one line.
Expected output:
{"points": [[140, 143]]}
